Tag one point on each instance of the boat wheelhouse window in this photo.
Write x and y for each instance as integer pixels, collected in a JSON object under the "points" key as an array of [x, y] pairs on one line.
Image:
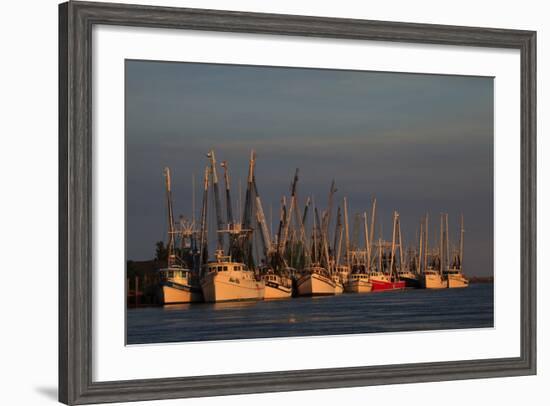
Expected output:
{"points": [[220, 268], [225, 268], [170, 274]]}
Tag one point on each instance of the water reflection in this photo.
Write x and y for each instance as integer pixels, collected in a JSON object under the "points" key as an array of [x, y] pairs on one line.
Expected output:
{"points": [[234, 305]]}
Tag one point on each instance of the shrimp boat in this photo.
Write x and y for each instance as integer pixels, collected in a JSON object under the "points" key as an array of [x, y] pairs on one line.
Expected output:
{"points": [[409, 274], [177, 283], [277, 285], [410, 278], [338, 278], [432, 279], [315, 281], [343, 274], [338, 284], [385, 276], [382, 281], [225, 280], [358, 280], [432, 276], [358, 283], [454, 276]]}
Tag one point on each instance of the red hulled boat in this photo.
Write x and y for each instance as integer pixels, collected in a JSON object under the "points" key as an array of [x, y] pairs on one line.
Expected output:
{"points": [[381, 281]]}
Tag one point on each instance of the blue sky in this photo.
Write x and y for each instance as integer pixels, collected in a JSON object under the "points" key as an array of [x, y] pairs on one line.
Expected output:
{"points": [[416, 142]]}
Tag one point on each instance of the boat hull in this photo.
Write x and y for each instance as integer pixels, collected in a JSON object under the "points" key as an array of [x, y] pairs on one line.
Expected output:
{"points": [[275, 290], [358, 286], [457, 282], [380, 285], [338, 288], [315, 285], [231, 286], [172, 293], [433, 282], [411, 282]]}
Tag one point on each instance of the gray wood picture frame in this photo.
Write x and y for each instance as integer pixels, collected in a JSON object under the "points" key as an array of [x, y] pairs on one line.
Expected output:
{"points": [[76, 20]]}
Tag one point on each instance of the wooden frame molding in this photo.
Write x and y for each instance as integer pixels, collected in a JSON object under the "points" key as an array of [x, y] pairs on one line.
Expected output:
{"points": [[75, 179]]}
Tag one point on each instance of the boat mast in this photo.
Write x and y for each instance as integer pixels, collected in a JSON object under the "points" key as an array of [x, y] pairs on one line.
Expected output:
{"points": [[282, 216], [303, 235], [203, 254], [248, 196], [441, 244], [372, 223], [193, 196], [400, 242], [171, 231], [395, 216], [219, 221], [346, 226], [419, 259], [314, 234], [380, 255], [248, 206], [355, 230], [284, 238], [326, 228], [324, 239], [338, 237], [367, 242], [461, 253], [228, 203], [306, 209], [447, 241], [260, 217], [426, 244]]}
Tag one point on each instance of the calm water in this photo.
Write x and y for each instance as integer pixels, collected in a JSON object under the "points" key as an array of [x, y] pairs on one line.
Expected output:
{"points": [[415, 309]]}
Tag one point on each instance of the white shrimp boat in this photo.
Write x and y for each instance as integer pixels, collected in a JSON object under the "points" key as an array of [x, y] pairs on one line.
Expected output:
{"points": [[343, 271], [315, 281], [338, 284], [277, 286], [432, 279], [454, 275], [454, 278], [178, 285], [358, 283], [225, 280]]}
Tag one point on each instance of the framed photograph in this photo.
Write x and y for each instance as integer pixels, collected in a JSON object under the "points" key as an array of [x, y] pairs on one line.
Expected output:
{"points": [[259, 203]]}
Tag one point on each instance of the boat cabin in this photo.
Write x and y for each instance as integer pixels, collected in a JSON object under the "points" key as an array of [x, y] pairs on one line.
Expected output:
{"points": [[358, 276], [174, 273], [271, 277], [453, 271], [318, 270], [225, 267]]}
